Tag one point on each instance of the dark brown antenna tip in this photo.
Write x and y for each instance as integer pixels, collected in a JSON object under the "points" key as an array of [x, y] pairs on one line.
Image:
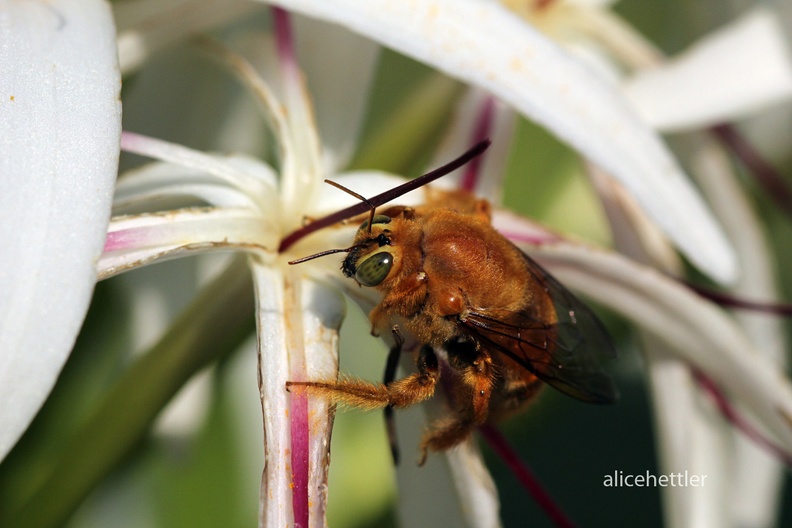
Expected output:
{"points": [[320, 254]]}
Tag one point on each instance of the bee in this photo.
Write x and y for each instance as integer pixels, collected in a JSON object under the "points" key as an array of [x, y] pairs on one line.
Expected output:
{"points": [[504, 324]]}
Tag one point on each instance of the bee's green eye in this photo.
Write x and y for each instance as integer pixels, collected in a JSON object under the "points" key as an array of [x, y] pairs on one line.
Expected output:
{"points": [[374, 269], [378, 219]]}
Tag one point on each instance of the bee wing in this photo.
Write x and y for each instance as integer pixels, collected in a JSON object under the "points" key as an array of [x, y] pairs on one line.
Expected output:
{"points": [[565, 354]]}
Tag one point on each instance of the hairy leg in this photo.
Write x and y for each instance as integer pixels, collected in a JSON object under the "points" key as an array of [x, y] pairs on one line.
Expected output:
{"points": [[470, 396], [362, 394]]}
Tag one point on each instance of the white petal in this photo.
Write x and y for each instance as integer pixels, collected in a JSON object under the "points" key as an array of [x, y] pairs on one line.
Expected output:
{"points": [[691, 437], [714, 172], [281, 91], [524, 69], [138, 240], [477, 492], [58, 159], [298, 323], [156, 185], [257, 75], [301, 163], [254, 183], [323, 310], [755, 488], [633, 233], [731, 73], [275, 497], [698, 332], [183, 195]]}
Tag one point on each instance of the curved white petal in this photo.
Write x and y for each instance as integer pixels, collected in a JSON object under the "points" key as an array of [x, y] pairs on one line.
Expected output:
{"points": [[633, 233], [290, 108], [323, 310], [755, 488], [481, 42], [474, 485], [689, 439], [273, 341], [152, 186], [298, 323], [183, 195], [255, 183], [138, 240], [698, 332], [731, 73], [60, 127], [682, 436]]}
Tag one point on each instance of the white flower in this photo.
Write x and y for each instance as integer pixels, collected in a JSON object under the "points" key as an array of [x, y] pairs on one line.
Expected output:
{"points": [[61, 122], [251, 206]]}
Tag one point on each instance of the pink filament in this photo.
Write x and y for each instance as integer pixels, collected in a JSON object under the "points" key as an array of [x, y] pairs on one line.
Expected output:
{"points": [[300, 434], [526, 477], [299, 458], [766, 175], [731, 414], [284, 40]]}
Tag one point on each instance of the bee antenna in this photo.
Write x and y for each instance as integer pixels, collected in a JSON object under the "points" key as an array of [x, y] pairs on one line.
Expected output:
{"points": [[381, 198], [358, 196], [322, 254]]}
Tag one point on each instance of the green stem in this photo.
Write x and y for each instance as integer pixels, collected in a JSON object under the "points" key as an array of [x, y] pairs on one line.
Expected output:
{"points": [[216, 322]]}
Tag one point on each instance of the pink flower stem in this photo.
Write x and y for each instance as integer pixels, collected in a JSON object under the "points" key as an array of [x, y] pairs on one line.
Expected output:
{"points": [[481, 132], [299, 458], [284, 41], [526, 477], [731, 414], [732, 301], [765, 174], [300, 434]]}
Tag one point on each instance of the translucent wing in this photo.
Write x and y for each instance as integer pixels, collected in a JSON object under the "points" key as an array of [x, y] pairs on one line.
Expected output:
{"points": [[566, 353]]}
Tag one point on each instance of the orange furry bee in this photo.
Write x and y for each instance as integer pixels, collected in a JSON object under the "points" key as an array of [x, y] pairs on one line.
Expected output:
{"points": [[457, 285]]}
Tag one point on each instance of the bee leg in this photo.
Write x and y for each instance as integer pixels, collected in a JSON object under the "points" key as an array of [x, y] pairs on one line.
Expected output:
{"points": [[445, 434], [476, 375], [390, 375], [475, 379], [513, 396], [413, 389]]}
